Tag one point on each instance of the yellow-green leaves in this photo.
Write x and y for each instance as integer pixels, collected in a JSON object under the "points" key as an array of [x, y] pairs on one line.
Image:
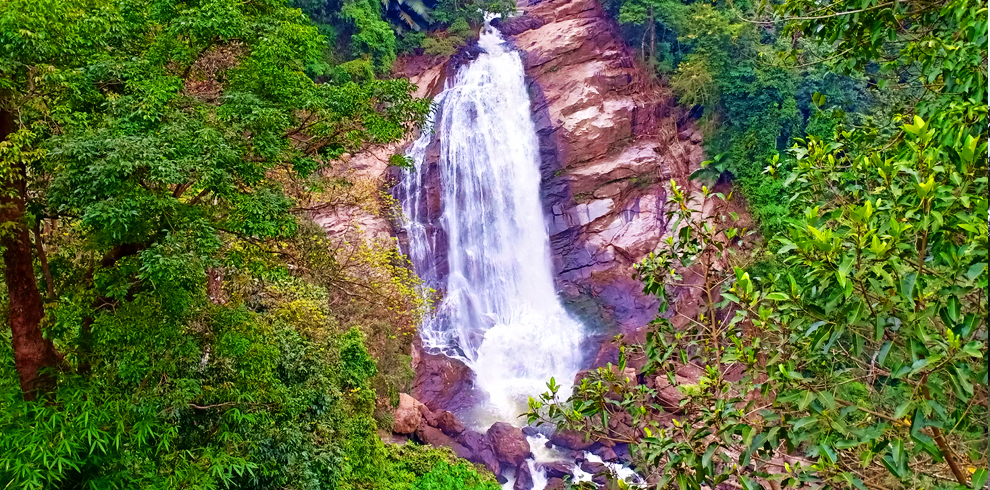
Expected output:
{"points": [[920, 129], [924, 189]]}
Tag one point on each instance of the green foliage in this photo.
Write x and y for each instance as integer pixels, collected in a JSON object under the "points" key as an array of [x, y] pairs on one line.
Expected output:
{"points": [[446, 12], [857, 346], [869, 366], [753, 102], [940, 45], [897, 253], [372, 35], [410, 41], [443, 476], [442, 46], [171, 150], [693, 84], [446, 43]]}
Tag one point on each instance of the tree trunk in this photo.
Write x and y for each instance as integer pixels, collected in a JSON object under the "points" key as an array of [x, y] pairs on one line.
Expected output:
{"points": [[653, 39], [34, 355], [43, 258], [214, 286]]}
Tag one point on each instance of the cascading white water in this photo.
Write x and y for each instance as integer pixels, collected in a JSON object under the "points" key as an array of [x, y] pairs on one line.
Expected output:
{"points": [[499, 312]]}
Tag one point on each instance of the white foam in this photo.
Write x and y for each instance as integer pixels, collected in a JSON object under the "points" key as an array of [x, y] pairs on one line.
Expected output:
{"points": [[500, 312]]}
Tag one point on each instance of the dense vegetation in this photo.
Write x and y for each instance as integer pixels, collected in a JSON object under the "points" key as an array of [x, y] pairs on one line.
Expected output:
{"points": [[175, 318], [852, 350], [754, 74], [368, 35]]}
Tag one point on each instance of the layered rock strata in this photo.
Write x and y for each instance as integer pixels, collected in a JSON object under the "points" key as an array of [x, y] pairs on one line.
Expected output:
{"points": [[609, 146]]}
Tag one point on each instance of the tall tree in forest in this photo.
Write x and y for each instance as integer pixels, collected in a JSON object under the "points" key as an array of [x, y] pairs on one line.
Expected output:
{"points": [[159, 128], [157, 160], [39, 41]]}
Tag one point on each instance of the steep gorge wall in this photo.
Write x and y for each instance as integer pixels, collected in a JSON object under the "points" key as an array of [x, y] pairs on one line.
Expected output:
{"points": [[611, 141]]}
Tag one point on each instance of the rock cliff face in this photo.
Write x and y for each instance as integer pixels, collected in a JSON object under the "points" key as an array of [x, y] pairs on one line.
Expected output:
{"points": [[611, 140]]}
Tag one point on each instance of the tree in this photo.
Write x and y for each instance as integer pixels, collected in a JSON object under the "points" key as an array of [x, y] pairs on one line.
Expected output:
{"points": [[191, 127], [163, 155], [860, 358]]}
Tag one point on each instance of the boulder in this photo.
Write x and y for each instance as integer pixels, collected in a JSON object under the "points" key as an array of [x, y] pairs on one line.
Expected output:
{"points": [[473, 440], [481, 450], [555, 484], [524, 477], [434, 437], [556, 469], [668, 396], [599, 472], [509, 443], [606, 453], [429, 418], [442, 383], [621, 424], [622, 453], [571, 440], [688, 374], [407, 415], [488, 458], [584, 373], [448, 424], [696, 137]]}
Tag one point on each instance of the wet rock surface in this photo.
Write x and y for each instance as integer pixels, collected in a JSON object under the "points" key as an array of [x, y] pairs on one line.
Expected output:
{"points": [[524, 478], [442, 383], [509, 443], [556, 469], [518, 24], [435, 437], [599, 472]]}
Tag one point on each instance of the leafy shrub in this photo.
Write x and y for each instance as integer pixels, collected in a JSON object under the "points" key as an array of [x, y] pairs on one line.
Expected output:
{"points": [[442, 46]]}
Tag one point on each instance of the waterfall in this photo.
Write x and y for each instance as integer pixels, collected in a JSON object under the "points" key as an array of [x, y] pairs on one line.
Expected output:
{"points": [[499, 310]]}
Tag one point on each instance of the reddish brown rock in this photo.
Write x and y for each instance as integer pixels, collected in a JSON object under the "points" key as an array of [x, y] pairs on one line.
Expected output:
{"points": [[432, 436], [689, 374], [448, 424], [442, 383], [571, 440], [524, 477], [555, 484], [599, 472], [607, 454], [407, 415], [518, 24], [509, 443], [488, 458], [621, 425], [610, 144], [556, 469], [481, 450]]}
